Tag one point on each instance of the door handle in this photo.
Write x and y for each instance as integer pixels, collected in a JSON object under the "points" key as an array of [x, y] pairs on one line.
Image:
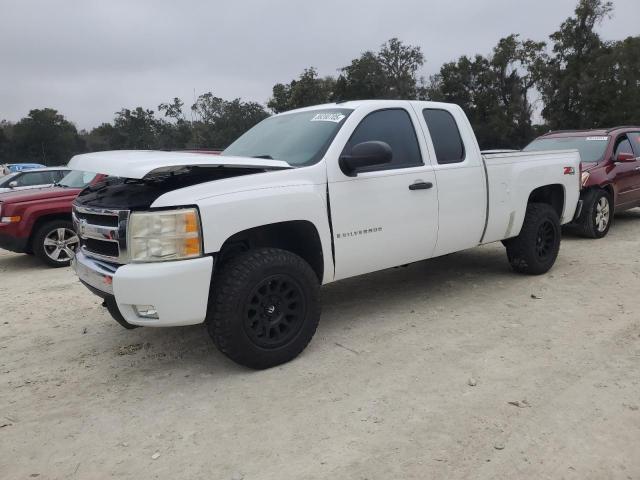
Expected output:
{"points": [[420, 186]]}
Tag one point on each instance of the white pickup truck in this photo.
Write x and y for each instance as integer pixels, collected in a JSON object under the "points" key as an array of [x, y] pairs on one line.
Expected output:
{"points": [[243, 241]]}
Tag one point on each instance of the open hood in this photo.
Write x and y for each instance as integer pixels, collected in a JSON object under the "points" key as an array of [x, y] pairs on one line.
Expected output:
{"points": [[140, 164]]}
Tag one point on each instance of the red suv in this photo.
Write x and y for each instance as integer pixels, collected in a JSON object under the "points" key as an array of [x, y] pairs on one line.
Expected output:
{"points": [[39, 221], [610, 172]]}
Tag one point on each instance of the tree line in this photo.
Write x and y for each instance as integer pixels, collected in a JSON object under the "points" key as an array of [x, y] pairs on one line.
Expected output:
{"points": [[575, 80]]}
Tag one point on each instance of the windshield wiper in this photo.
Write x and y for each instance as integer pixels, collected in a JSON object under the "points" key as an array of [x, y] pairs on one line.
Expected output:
{"points": [[265, 157]]}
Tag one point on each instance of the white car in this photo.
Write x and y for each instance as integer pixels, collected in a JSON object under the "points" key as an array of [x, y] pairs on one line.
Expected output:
{"points": [[243, 241], [34, 178]]}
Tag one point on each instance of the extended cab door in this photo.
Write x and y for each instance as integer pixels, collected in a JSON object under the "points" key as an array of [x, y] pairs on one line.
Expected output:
{"points": [[459, 170], [385, 215]]}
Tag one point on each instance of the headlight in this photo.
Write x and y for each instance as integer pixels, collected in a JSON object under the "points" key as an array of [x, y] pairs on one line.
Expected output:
{"points": [[164, 235], [584, 178]]}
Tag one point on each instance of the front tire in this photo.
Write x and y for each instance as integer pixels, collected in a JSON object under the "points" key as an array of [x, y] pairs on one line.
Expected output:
{"points": [[597, 215], [264, 308], [535, 250], [55, 243]]}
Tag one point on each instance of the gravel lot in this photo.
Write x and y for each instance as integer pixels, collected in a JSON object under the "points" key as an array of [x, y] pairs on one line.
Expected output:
{"points": [[384, 391]]}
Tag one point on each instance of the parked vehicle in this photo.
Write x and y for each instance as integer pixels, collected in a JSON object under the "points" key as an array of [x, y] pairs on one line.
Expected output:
{"points": [[39, 221], [242, 241], [34, 178], [610, 175], [8, 168]]}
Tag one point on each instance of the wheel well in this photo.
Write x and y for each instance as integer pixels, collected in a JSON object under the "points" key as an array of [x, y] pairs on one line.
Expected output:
{"points": [[298, 236], [550, 194], [609, 189], [41, 221]]}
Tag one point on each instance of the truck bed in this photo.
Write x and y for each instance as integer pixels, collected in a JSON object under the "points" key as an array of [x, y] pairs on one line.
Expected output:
{"points": [[510, 177]]}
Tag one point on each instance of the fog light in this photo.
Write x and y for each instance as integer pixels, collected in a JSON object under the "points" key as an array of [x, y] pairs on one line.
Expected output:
{"points": [[146, 311]]}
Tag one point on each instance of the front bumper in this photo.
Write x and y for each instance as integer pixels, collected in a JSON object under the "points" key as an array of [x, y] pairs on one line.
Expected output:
{"points": [[178, 290]]}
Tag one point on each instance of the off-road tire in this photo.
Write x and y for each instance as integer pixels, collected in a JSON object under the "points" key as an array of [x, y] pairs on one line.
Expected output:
{"points": [[231, 316], [535, 250], [587, 226], [39, 239]]}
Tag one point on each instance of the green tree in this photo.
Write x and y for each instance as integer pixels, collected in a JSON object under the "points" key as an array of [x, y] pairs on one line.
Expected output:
{"points": [[494, 91], [568, 81], [7, 147], [308, 89], [176, 132], [45, 136], [400, 64], [219, 122], [392, 72], [364, 78]]}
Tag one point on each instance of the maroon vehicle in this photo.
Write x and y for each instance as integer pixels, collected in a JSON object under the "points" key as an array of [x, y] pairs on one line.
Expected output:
{"points": [[610, 172], [38, 221]]}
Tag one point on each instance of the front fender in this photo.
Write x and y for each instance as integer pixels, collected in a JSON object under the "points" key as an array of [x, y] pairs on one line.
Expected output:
{"points": [[225, 215]]}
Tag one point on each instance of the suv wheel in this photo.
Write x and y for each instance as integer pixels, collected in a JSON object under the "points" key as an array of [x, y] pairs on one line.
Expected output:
{"points": [[597, 215], [535, 250], [264, 308], [55, 243]]}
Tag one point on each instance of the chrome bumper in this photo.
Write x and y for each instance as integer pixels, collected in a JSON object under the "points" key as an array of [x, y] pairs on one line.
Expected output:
{"points": [[95, 273]]}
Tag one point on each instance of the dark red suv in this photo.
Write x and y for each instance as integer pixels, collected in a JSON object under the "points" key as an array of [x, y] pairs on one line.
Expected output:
{"points": [[610, 172], [38, 221]]}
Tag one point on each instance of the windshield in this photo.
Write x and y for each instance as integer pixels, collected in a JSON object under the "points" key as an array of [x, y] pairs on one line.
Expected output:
{"points": [[76, 179], [591, 148], [297, 138]]}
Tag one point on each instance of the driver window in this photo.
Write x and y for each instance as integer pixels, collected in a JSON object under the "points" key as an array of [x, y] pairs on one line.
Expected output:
{"points": [[34, 178], [394, 127], [624, 146]]}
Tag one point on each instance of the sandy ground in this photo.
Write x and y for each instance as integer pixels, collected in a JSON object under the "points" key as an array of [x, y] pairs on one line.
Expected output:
{"points": [[382, 392]]}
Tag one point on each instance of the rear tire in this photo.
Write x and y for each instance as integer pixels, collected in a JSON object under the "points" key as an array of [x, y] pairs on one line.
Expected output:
{"points": [[597, 214], [55, 242], [264, 307], [535, 250]]}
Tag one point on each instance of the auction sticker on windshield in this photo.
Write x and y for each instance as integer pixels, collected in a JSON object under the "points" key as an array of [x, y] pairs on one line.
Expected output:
{"points": [[597, 139], [328, 117]]}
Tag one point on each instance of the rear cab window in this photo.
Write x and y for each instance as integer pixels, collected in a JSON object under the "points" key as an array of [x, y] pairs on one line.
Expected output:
{"points": [[445, 135]]}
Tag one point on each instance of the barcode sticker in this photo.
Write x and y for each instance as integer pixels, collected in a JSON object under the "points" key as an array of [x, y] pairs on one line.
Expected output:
{"points": [[597, 139], [328, 117]]}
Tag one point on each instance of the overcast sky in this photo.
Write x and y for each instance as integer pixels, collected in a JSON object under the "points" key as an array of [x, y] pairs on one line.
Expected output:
{"points": [[88, 59]]}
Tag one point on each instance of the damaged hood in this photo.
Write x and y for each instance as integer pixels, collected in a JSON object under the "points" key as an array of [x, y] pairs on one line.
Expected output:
{"points": [[139, 164]]}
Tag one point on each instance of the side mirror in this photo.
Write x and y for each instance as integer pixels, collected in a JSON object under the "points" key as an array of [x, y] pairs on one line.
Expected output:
{"points": [[625, 157], [365, 154], [13, 184]]}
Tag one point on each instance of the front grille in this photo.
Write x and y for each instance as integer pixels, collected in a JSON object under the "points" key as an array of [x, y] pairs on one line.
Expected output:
{"points": [[108, 249], [102, 220], [102, 232]]}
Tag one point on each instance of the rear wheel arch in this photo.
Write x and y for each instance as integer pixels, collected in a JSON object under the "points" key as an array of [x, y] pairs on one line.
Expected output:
{"points": [[612, 194], [553, 195], [300, 237]]}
